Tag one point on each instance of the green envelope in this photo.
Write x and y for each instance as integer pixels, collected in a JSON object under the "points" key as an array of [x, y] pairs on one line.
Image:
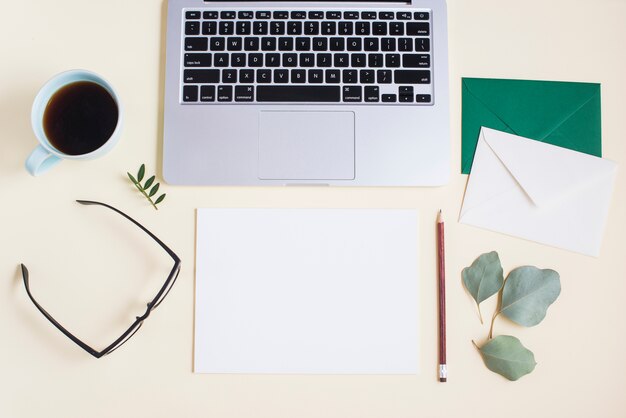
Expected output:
{"points": [[559, 113]]}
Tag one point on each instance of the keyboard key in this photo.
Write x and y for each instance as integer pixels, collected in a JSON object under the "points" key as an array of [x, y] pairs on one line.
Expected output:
{"points": [[418, 29], [320, 44], [388, 98], [379, 28], [329, 28], [272, 60], [244, 93], [337, 44], [341, 60], [243, 28], [421, 15], [362, 28], [333, 76], [324, 60], [255, 60], [285, 44], [245, 15], [251, 44], [303, 44], [346, 28], [196, 44], [290, 60], [263, 15], [368, 15], [354, 44], [277, 28], [350, 76], [238, 60], [201, 76], [422, 45], [192, 28], [403, 15], [375, 60], [404, 98], [298, 94], [190, 93], [268, 44], [366, 76], [218, 43], [358, 60], [234, 44], [225, 94], [298, 76], [209, 28], [396, 28], [404, 90], [246, 76], [221, 60], [383, 77], [197, 60], [423, 98], [260, 27], [385, 15], [352, 93], [405, 45], [207, 93], [294, 28], [316, 76], [281, 76], [415, 61], [392, 60], [298, 15], [192, 15], [370, 44], [307, 60], [229, 76], [227, 15], [372, 93], [281, 15], [333, 15], [316, 15], [264, 76], [412, 76], [388, 44], [209, 15], [311, 28]]}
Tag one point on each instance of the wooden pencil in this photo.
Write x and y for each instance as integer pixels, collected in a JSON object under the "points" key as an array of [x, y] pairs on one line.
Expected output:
{"points": [[443, 369]]}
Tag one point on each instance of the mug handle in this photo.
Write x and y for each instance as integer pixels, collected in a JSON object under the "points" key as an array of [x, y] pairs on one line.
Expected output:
{"points": [[40, 161]]}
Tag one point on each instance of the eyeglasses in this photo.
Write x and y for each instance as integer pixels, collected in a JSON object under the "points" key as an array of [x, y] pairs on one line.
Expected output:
{"points": [[169, 282]]}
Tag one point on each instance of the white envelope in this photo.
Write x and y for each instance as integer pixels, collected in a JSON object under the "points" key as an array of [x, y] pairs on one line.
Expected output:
{"points": [[540, 192]]}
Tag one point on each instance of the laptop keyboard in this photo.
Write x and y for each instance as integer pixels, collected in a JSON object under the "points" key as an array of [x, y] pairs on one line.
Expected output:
{"points": [[291, 56]]}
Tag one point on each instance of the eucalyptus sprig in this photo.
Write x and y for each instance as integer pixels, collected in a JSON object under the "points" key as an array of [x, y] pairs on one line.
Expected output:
{"points": [[149, 188]]}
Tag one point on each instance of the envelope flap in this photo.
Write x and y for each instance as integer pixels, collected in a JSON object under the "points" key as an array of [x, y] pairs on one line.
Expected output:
{"points": [[545, 172]]}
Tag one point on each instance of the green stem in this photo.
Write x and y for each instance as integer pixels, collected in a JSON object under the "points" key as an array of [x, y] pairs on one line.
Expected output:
{"points": [[480, 315], [493, 320], [475, 345], [145, 194]]}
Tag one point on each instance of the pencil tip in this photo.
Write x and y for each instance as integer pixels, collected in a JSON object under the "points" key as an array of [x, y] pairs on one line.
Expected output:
{"points": [[440, 216]]}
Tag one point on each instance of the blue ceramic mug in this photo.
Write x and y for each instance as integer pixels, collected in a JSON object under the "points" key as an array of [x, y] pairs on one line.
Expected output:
{"points": [[46, 156]]}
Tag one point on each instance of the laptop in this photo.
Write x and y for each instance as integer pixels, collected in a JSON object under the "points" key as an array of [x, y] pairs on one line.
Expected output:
{"points": [[306, 93]]}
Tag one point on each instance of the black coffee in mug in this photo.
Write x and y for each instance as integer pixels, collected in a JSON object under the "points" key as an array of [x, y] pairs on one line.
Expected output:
{"points": [[80, 117]]}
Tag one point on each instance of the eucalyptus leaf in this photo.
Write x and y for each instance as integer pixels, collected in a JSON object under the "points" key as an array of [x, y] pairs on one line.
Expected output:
{"points": [[483, 278], [149, 182], [154, 190], [507, 356], [527, 294], [142, 172], [160, 199]]}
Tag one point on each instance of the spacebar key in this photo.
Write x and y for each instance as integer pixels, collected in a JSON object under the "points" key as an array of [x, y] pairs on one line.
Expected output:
{"points": [[298, 93]]}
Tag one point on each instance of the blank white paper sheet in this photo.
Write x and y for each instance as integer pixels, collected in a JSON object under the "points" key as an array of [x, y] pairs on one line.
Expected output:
{"points": [[308, 291]]}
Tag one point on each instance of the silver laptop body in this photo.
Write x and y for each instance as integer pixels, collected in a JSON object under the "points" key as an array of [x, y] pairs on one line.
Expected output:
{"points": [[359, 97]]}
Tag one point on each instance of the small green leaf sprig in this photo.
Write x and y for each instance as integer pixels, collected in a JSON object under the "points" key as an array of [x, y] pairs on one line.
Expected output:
{"points": [[149, 188], [524, 298]]}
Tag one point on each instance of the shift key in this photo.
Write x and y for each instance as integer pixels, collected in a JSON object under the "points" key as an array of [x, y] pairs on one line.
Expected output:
{"points": [[202, 76], [411, 77]]}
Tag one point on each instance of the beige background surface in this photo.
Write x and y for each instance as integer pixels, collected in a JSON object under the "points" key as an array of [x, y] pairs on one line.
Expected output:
{"points": [[95, 273]]}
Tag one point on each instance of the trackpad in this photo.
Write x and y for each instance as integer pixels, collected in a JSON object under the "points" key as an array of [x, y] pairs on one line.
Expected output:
{"points": [[306, 145]]}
